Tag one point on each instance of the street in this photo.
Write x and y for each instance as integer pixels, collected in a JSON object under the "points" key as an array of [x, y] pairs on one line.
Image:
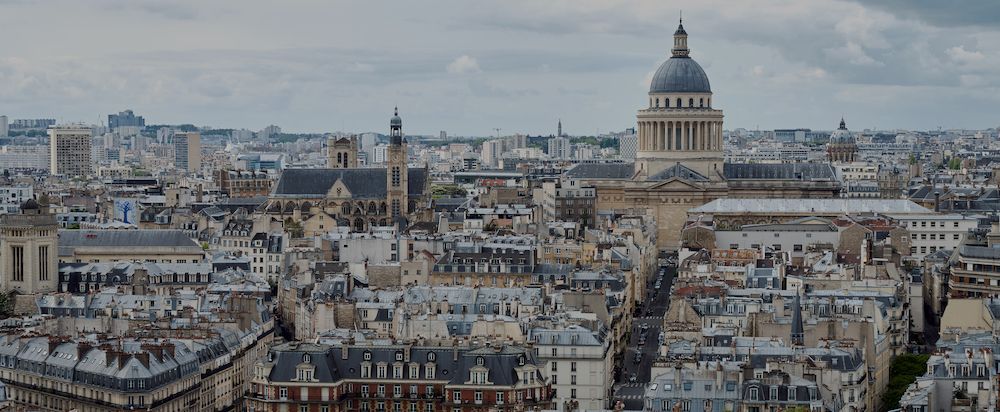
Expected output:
{"points": [[627, 389]]}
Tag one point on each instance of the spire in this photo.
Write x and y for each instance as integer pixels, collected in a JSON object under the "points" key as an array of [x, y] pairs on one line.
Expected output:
{"points": [[680, 41], [395, 111], [843, 125]]}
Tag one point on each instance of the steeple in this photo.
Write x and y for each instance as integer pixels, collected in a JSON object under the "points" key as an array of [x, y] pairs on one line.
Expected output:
{"points": [[396, 127], [680, 41]]}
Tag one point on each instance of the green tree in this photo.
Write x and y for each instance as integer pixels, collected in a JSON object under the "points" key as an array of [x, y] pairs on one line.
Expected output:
{"points": [[955, 163], [7, 303], [904, 370]]}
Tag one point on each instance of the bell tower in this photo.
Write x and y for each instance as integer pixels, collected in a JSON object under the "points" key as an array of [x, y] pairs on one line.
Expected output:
{"points": [[396, 169]]}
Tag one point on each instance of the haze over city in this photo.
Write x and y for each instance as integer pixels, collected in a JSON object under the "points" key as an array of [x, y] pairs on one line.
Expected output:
{"points": [[515, 65]]}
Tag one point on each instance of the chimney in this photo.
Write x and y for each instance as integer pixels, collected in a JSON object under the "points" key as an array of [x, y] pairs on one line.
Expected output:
{"points": [[779, 305], [143, 358], [747, 372], [168, 348], [53, 343], [406, 351], [345, 350], [719, 375], [82, 348], [454, 350], [677, 376]]}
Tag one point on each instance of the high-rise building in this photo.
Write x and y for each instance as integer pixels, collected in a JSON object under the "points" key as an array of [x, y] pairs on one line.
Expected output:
{"points": [[628, 144], [28, 251], [4, 128], [268, 132], [32, 123], [490, 154], [559, 148], [187, 151], [69, 150], [125, 119]]}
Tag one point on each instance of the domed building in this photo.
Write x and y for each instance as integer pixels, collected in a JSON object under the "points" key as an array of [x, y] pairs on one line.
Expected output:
{"points": [[842, 147], [679, 126], [679, 162]]}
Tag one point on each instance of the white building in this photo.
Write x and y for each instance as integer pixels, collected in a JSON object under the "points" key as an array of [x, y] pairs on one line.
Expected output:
{"points": [[579, 364], [4, 128], [930, 233], [24, 157], [11, 197], [559, 148], [627, 146], [490, 154], [793, 237]]}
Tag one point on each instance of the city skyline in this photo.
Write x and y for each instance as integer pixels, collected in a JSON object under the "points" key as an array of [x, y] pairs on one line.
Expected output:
{"points": [[518, 66]]}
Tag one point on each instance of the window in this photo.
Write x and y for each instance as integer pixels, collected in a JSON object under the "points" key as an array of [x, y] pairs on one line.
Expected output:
{"points": [[753, 394], [364, 391], [572, 379], [774, 393], [303, 408], [479, 396], [572, 366], [572, 393], [555, 366], [429, 370], [456, 396], [283, 393], [397, 391], [380, 391]]}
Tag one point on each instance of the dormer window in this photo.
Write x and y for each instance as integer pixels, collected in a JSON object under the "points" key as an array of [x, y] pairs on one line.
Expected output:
{"points": [[399, 356], [368, 356]]}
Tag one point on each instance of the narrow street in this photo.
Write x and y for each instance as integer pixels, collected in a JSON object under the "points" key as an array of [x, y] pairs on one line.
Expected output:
{"points": [[635, 375]]}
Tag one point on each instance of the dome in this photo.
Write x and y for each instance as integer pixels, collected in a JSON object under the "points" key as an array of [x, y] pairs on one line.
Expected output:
{"points": [[395, 120], [680, 75], [31, 204], [842, 135]]}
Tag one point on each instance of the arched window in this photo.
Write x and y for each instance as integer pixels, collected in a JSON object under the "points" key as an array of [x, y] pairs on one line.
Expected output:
{"points": [[678, 102], [701, 102], [666, 102], [657, 102], [345, 208], [691, 102], [359, 225]]}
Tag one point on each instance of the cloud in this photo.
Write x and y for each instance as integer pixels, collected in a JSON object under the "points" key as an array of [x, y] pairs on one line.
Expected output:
{"points": [[959, 54], [463, 65]]}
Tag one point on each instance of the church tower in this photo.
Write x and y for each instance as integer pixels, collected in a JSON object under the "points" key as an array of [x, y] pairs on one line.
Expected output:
{"points": [[396, 169], [342, 153], [28, 259], [680, 134]]}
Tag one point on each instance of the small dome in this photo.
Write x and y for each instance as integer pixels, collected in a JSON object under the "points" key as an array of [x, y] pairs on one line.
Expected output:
{"points": [[680, 75], [31, 204], [395, 120], [842, 135]]}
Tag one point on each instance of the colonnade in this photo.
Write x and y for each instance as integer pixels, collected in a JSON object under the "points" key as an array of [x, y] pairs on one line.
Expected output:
{"points": [[680, 135]]}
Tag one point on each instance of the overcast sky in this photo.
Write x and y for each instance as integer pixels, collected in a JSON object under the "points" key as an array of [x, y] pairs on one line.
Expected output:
{"points": [[469, 67]]}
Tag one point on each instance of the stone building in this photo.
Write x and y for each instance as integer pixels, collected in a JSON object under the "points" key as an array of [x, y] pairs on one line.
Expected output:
{"points": [[342, 153], [359, 198], [842, 147], [680, 164], [397, 377], [29, 250]]}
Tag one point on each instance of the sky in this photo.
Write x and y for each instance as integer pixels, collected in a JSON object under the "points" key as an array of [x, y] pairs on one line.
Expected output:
{"points": [[471, 67]]}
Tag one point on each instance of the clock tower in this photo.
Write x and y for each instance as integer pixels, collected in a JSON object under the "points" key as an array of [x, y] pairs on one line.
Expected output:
{"points": [[396, 173]]}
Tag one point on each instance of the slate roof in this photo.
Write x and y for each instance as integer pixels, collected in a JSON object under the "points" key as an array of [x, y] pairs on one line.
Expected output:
{"points": [[781, 171], [125, 238], [332, 365], [601, 171], [814, 206], [363, 183]]}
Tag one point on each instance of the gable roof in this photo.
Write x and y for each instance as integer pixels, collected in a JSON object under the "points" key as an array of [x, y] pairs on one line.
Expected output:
{"points": [[363, 183], [601, 171]]}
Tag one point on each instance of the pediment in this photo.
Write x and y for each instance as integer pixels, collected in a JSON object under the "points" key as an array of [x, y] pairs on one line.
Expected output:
{"points": [[675, 183], [338, 190]]}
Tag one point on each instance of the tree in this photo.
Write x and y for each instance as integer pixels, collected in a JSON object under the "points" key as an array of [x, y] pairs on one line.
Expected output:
{"points": [[7, 300], [903, 371], [955, 163]]}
